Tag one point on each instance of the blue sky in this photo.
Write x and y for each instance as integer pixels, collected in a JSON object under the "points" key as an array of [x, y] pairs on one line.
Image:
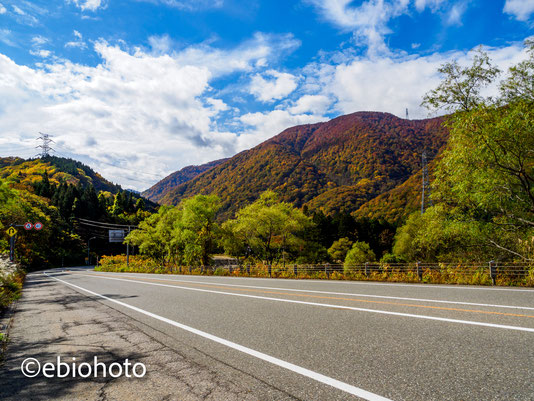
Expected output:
{"points": [[138, 89]]}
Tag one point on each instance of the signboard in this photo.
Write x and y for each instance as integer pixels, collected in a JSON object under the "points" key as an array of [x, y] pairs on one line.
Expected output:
{"points": [[28, 226], [11, 231], [116, 236], [38, 226]]}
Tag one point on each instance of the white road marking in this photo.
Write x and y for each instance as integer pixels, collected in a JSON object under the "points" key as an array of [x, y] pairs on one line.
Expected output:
{"points": [[373, 283], [335, 293], [260, 355], [441, 319]]}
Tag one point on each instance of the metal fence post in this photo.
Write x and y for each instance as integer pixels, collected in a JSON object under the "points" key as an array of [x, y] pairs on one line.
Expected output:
{"points": [[269, 269], [493, 271], [230, 269], [295, 271], [419, 271], [248, 270], [366, 268]]}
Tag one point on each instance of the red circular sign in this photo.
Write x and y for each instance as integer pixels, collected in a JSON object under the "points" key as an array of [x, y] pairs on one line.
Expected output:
{"points": [[38, 225], [28, 226]]}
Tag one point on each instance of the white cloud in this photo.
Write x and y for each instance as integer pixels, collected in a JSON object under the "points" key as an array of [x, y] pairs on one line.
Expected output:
{"points": [[456, 13], [39, 40], [91, 5], [420, 5], [78, 42], [18, 10], [267, 90], [6, 37], [266, 125], [392, 84], [151, 113], [41, 53], [369, 20], [520, 9], [315, 104], [3, 10], [189, 5], [160, 44]]}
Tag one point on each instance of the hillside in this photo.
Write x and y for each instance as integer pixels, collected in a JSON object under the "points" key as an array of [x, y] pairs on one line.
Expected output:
{"points": [[23, 173], [158, 190], [338, 165]]}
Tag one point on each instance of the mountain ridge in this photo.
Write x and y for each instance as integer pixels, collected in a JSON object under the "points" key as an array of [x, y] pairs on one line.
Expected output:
{"points": [[334, 166]]}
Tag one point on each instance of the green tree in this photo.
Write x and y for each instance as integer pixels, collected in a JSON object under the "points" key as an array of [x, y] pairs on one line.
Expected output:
{"points": [[197, 229], [268, 227], [486, 175], [359, 253], [338, 250]]}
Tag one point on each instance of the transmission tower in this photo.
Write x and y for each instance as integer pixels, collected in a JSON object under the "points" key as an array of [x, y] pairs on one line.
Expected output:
{"points": [[425, 195], [407, 116], [45, 146]]}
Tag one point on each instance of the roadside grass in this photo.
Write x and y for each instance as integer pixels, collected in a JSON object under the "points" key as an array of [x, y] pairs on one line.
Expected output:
{"points": [[442, 273], [10, 288]]}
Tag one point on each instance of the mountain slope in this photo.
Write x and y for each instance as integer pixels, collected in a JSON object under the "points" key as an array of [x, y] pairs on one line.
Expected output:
{"points": [[333, 166], [158, 190], [24, 173]]}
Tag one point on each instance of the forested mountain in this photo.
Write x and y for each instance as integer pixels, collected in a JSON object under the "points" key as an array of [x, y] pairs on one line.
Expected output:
{"points": [[157, 191], [336, 166], [24, 173]]}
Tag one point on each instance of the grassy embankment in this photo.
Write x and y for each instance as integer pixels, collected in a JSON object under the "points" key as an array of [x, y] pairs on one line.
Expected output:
{"points": [[432, 274]]}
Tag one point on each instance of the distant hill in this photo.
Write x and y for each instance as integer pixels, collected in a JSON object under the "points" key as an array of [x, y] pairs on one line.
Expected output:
{"points": [[161, 188], [22, 172], [338, 165]]}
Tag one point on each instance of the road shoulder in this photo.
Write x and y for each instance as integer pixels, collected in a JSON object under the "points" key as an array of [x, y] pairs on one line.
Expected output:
{"points": [[54, 320]]}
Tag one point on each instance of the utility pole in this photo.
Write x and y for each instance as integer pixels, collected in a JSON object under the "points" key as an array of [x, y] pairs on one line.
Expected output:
{"points": [[128, 250], [45, 146], [407, 115], [88, 251], [425, 193]]}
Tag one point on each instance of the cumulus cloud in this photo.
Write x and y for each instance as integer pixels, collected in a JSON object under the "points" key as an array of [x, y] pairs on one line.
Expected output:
{"points": [[456, 13], [3, 10], [315, 104], [145, 112], [520, 9], [278, 86], [393, 83], [267, 124]]}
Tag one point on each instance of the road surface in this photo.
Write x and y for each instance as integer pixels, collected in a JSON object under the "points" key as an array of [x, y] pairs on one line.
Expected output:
{"points": [[334, 340]]}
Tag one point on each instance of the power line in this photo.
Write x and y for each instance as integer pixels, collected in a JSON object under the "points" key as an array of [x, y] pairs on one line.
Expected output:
{"points": [[104, 224]]}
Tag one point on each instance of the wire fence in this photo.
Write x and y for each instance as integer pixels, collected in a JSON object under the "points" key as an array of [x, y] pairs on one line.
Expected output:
{"points": [[489, 273]]}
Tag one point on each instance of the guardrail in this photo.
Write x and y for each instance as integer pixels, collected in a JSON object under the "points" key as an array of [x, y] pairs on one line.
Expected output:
{"points": [[460, 273]]}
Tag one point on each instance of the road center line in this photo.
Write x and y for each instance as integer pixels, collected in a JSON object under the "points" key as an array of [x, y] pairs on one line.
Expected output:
{"points": [[260, 355], [338, 293], [441, 319], [259, 290]]}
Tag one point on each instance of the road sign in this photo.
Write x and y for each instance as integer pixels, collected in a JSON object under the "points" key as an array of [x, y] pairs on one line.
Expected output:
{"points": [[38, 226], [116, 236], [28, 226], [11, 231]]}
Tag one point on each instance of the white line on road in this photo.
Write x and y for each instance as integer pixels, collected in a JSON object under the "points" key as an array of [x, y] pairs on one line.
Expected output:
{"points": [[441, 319], [260, 355], [336, 293]]}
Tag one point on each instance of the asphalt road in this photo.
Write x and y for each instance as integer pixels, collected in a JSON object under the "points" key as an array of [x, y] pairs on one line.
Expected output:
{"points": [[332, 340]]}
